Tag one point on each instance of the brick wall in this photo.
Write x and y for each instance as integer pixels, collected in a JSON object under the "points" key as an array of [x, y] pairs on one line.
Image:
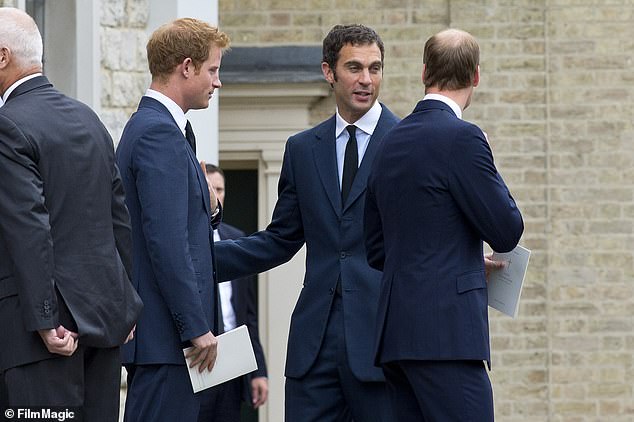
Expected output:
{"points": [[557, 100]]}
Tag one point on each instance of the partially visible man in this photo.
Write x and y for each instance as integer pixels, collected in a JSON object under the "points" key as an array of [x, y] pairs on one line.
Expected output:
{"points": [[434, 195], [330, 375], [238, 299], [171, 212], [66, 302]]}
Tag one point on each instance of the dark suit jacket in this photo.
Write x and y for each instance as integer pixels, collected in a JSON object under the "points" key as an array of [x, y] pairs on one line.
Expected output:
{"points": [[434, 195], [309, 210], [168, 199], [64, 228], [243, 300]]}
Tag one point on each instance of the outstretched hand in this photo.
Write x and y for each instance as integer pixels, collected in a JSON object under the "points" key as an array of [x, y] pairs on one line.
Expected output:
{"points": [[213, 199]]}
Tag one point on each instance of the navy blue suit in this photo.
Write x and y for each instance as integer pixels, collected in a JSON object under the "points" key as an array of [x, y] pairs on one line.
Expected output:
{"points": [[173, 271], [309, 210], [222, 403], [434, 195]]}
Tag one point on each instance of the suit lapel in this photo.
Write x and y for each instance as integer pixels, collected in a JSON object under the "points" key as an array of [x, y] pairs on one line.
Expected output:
{"points": [[325, 155], [155, 104], [361, 178], [201, 178]]}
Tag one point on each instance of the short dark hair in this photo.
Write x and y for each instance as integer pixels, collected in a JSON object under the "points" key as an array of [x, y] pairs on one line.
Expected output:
{"points": [[451, 59], [355, 34], [211, 169]]}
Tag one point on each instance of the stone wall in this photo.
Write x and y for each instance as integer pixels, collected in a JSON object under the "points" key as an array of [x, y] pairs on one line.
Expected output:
{"points": [[125, 75], [557, 101]]}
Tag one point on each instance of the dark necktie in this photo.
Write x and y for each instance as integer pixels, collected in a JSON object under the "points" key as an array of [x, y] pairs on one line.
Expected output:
{"points": [[219, 318], [350, 163], [189, 134]]}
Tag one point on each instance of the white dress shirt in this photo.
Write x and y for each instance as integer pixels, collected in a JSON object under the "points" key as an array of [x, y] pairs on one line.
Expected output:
{"points": [[451, 103], [172, 107], [226, 290], [365, 128]]}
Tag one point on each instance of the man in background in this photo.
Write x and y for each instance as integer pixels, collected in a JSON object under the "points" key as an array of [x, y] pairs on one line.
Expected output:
{"points": [[434, 195], [330, 374], [66, 302], [171, 213], [239, 307]]}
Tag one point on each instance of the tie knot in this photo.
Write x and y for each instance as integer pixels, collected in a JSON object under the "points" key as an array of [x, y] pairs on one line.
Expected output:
{"points": [[352, 129]]}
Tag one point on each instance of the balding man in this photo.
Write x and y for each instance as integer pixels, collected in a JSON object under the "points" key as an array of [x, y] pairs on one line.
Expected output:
{"points": [[434, 195], [66, 303]]}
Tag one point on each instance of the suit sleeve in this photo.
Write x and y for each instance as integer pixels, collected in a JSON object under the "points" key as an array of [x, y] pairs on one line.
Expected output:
{"points": [[481, 193], [268, 248], [121, 222], [160, 171], [25, 227], [372, 227]]}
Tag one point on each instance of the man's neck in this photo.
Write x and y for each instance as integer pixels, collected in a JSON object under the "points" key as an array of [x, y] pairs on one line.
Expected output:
{"points": [[15, 76], [168, 90], [460, 96]]}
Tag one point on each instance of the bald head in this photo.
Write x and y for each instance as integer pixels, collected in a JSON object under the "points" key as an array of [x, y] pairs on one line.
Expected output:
{"points": [[20, 46], [451, 59]]}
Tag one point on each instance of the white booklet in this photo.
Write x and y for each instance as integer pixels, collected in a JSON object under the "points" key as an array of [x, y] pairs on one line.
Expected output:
{"points": [[505, 284], [235, 358]]}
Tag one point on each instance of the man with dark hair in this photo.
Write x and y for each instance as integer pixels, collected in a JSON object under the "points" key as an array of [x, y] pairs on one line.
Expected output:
{"points": [[239, 306], [171, 212], [330, 375], [434, 195], [66, 301]]}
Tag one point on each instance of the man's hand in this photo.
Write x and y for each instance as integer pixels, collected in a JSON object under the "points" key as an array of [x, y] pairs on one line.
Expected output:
{"points": [[491, 265], [131, 335], [213, 199], [204, 352], [60, 340], [259, 391]]}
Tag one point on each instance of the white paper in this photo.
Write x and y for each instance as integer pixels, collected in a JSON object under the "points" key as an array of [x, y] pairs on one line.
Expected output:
{"points": [[505, 284], [235, 358]]}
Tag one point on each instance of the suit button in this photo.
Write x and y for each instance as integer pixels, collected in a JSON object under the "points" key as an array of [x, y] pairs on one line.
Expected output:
{"points": [[342, 255]]}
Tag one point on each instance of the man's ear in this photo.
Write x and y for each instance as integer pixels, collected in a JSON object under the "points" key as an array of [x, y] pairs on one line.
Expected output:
{"points": [[328, 73], [186, 67], [476, 77], [5, 57], [422, 76]]}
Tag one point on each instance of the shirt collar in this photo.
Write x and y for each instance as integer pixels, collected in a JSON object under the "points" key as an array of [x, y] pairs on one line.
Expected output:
{"points": [[172, 107], [18, 83], [366, 123], [451, 103]]}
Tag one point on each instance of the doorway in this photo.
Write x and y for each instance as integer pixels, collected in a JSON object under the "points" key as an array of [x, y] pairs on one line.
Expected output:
{"points": [[241, 211]]}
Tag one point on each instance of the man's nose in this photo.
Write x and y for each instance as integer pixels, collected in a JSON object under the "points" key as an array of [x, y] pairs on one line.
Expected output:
{"points": [[365, 78]]}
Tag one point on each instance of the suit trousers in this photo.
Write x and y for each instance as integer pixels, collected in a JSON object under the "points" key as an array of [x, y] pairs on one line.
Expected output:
{"points": [[160, 393], [221, 403], [330, 392], [87, 382], [430, 391]]}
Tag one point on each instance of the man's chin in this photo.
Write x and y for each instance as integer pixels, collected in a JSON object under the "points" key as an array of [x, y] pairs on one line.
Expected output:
{"points": [[200, 106]]}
